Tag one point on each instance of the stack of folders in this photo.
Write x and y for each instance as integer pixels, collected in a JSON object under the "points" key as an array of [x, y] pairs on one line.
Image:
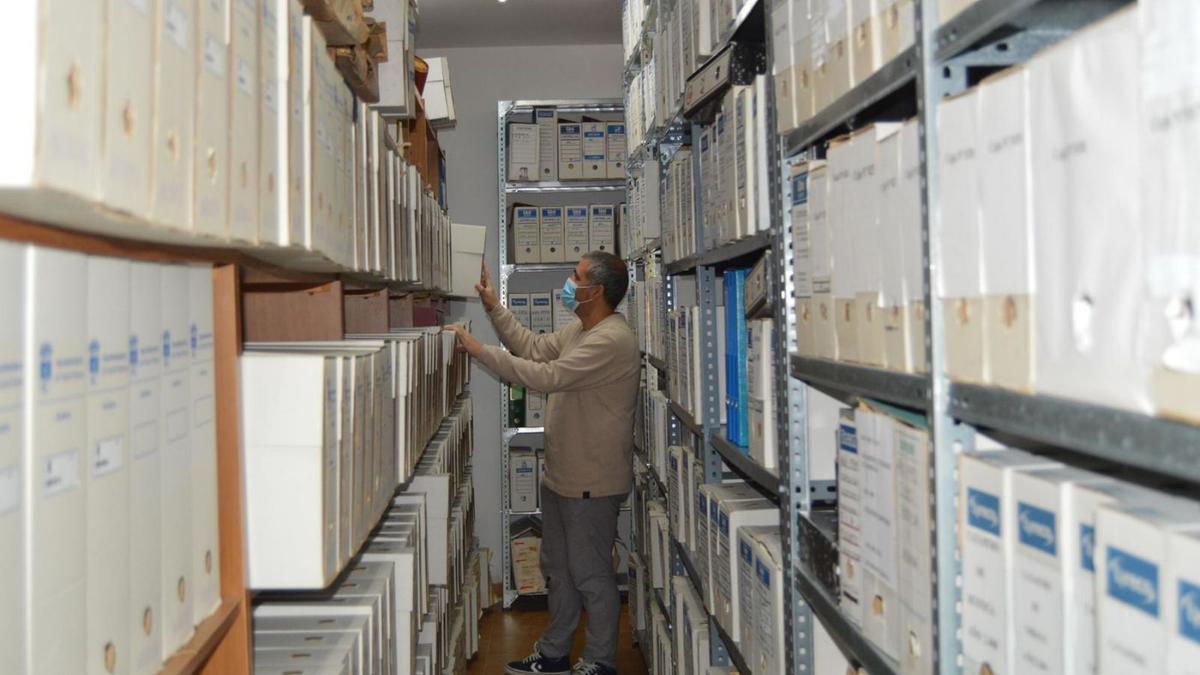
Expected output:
{"points": [[108, 478], [646, 297], [643, 225], [678, 209], [408, 601], [686, 348], [269, 152]]}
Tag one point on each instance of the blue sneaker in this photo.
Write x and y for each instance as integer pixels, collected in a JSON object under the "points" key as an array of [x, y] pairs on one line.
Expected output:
{"points": [[537, 662], [590, 668]]}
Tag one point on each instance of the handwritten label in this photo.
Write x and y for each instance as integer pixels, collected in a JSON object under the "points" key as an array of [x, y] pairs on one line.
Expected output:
{"points": [[60, 473], [108, 455]]}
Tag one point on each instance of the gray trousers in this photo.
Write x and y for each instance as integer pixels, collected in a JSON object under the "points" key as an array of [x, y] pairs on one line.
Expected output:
{"points": [[577, 544]]}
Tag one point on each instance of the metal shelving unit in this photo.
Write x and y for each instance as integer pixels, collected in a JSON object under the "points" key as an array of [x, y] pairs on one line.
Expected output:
{"points": [[988, 35], [507, 192]]}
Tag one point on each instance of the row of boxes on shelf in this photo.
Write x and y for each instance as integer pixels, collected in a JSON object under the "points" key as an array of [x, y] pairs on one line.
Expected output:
{"points": [[109, 550], [647, 297], [1071, 571], [553, 149], [883, 524], [1046, 288], [643, 225], [857, 244], [269, 150], [734, 181], [541, 312], [563, 233], [641, 109], [526, 467], [675, 213], [382, 615], [824, 48], [324, 457]]}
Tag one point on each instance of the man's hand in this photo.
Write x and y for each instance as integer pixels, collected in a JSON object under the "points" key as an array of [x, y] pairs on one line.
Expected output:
{"points": [[485, 289], [466, 341]]}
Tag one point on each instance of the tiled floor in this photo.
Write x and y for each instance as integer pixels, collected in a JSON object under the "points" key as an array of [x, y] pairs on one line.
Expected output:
{"points": [[509, 635]]}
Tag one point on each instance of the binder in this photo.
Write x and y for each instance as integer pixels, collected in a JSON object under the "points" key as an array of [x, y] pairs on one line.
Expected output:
{"points": [[12, 429], [273, 108], [576, 228], [128, 107], [144, 616], [737, 426], [106, 464], [547, 124], [523, 152], [601, 229], [614, 149], [174, 427], [527, 236], [541, 313], [210, 169], [518, 304], [570, 151], [594, 146], [205, 551], [244, 96], [55, 504], [551, 221]]}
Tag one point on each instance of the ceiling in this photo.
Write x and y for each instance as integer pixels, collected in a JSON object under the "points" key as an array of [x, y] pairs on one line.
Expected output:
{"points": [[489, 23]]}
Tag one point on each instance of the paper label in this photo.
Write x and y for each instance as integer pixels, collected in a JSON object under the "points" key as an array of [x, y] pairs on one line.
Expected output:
{"points": [[61, 473], [214, 56], [175, 25], [10, 489], [108, 456]]}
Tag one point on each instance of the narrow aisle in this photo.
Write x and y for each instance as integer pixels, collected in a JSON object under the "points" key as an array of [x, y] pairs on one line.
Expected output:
{"points": [[508, 636]]}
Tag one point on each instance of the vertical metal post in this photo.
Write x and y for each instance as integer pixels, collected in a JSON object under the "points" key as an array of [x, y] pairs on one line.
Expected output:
{"points": [[948, 569], [502, 108]]}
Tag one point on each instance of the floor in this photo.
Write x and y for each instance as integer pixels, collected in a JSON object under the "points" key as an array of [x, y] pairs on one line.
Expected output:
{"points": [[509, 635]]}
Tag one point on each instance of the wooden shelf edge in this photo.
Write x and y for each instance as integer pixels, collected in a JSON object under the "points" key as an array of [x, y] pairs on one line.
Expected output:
{"points": [[192, 656]]}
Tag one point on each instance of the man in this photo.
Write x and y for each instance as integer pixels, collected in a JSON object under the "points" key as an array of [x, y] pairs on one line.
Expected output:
{"points": [[589, 370]]}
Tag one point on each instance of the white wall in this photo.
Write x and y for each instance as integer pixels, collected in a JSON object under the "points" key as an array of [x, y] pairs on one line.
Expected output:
{"points": [[479, 77]]}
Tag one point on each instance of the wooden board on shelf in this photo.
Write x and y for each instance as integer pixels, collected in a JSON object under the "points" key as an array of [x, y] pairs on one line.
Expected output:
{"points": [[199, 653], [341, 21]]}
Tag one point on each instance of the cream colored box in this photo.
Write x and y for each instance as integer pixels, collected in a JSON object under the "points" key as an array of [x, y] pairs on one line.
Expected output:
{"points": [[1182, 606], [868, 251], [782, 62], [106, 464], [1089, 304], [1006, 229], [959, 284], [576, 228], [321, 80], [601, 229], [128, 107], [550, 219], [880, 599], [55, 505], [893, 299], [867, 37], [523, 152], [211, 142], [145, 489], [177, 585], [914, 246], [1168, 204], [948, 9], [174, 109], [273, 106], [206, 554], [899, 30], [845, 270], [839, 26], [570, 151], [913, 508], [299, 131], [547, 125], [527, 236], [12, 468]]}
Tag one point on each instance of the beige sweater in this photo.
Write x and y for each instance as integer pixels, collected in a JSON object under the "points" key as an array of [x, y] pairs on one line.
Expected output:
{"points": [[591, 379]]}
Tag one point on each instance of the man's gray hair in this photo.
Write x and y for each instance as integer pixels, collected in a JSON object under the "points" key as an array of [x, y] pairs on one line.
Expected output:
{"points": [[610, 272]]}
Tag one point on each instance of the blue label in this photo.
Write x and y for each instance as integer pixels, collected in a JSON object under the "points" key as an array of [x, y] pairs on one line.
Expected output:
{"points": [[541, 302], [1087, 547], [552, 212], [764, 574], [800, 188], [193, 337], [566, 129], [166, 345], [576, 213], [983, 511], [545, 113], [94, 357], [616, 128], [1036, 528], [593, 134], [701, 502], [1133, 580], [848, 439], [724, 520], [712, 511], [1189, 611], [674, 463], [744, 549], [133, 350], [527, 213], [45, 362]]}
